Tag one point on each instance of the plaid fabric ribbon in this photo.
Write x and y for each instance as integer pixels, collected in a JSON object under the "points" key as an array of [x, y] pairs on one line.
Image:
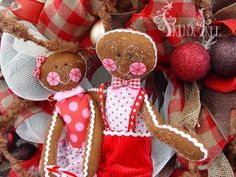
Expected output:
{"points": [[183, 13], [68, 20], [7, 98], [132, 83], [207, 129], [211, 134]]}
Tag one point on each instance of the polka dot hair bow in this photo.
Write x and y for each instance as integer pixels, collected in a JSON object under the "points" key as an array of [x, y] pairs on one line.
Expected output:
{"points": [[132, 83], [39, 61]]}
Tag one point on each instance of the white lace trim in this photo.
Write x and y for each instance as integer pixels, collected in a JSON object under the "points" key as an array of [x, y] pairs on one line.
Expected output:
{"points": [[122, 133], [184, 135], [48, 143], [90, 137]]}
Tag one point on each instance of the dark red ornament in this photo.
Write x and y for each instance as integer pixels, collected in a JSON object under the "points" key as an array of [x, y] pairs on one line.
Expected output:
{"points": [[24, 152], [223, 56], [190, 61]]}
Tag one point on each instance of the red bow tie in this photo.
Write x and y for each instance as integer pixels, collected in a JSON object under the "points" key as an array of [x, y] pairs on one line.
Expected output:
{"points": [[132, 83]]}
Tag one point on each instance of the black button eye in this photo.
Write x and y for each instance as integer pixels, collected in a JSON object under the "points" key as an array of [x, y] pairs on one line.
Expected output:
{"points": [[65, 64], [118, 54], [55, 66]]}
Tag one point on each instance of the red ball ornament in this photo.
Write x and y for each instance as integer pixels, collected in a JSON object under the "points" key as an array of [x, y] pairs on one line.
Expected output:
{"points": [[190, 61]]}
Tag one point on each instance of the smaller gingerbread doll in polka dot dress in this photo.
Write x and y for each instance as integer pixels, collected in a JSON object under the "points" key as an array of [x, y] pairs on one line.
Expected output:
{"points": [[74, 117], [129, 118]]}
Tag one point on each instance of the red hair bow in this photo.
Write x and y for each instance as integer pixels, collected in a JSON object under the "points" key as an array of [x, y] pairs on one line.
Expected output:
{"points": [[39, 61]]}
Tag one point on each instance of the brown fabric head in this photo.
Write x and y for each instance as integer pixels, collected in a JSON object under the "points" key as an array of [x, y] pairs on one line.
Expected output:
{"points": [[62, 71], [127, 54]]}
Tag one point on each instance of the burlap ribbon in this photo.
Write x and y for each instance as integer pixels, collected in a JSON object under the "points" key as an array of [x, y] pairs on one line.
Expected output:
{"points": [[189, 116], [192, 114], [220, 167]]}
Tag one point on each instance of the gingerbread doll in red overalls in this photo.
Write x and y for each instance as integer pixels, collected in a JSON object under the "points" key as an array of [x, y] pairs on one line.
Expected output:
{"points": [[129, 118]]}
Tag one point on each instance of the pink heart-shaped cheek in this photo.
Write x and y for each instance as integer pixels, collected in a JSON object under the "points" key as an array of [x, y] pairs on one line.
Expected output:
{"points": [[109, 64], [53, 78], [137, 69], [75, 74]]}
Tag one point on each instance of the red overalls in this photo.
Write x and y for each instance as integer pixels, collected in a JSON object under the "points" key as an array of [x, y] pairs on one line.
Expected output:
{"points": [[127, 154]]}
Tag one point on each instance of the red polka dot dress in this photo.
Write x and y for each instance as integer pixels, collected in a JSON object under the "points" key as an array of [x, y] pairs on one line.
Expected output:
{"points": [[126, 148], [73, 108]]}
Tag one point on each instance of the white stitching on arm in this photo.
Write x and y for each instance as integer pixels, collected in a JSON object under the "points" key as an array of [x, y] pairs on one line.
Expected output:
{"points": [[175, 130], [48, 143], [90, 137]]}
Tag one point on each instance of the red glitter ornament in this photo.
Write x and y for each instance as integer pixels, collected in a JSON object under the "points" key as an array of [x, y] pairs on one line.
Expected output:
{"points": [[190, 61]]}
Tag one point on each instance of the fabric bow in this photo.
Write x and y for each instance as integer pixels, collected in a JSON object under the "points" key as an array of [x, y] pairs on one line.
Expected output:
{"points": [[39, 61], [132, 83]]}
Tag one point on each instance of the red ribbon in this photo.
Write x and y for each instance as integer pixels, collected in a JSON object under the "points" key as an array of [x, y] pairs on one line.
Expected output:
{"points": [[230, 23], [27, 10], [219, 83]]}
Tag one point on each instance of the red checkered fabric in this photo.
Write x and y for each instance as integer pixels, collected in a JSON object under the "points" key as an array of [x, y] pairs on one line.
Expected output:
{"points": [[7, 97], [211, 134], [207, 129], [176, 102], [132, 83], [185, 13], [65, 19]]}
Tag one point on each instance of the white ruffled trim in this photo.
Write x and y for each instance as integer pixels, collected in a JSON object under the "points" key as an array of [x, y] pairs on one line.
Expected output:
{"points": [[48, 143], [122, 133], [181, 133], [90, 137]]}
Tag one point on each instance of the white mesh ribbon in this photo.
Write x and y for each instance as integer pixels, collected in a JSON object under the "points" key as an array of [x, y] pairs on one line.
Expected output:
{"points": [[161, 153], [5, 3], [17, 60], [34, 128]]}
